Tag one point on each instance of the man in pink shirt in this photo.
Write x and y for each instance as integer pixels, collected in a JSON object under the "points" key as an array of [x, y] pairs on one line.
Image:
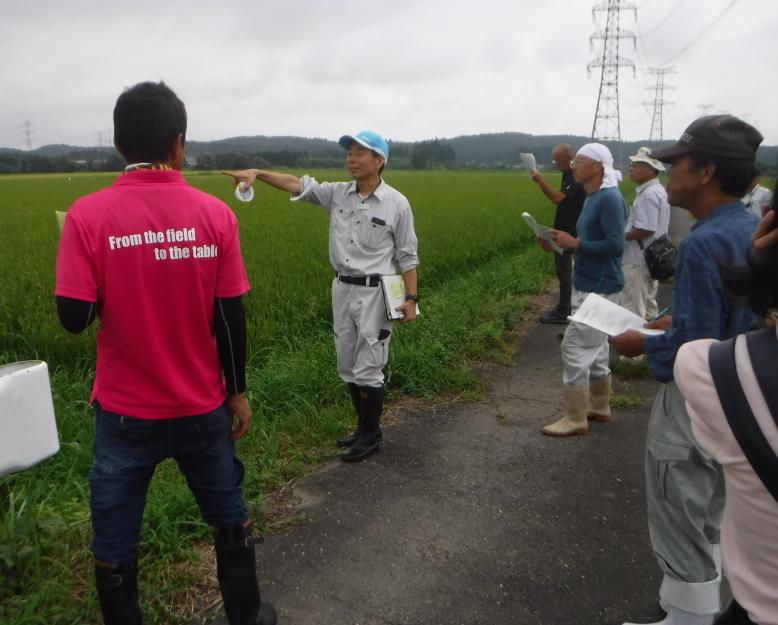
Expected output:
{"points": [[159, 263]]}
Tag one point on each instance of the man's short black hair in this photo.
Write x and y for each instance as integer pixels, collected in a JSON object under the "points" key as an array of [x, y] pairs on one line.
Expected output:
{"points": [[147, 119], [734, 175]]}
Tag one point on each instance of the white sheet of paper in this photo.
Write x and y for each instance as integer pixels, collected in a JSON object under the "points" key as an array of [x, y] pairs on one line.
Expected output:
{"points": [[528, 160], [603, 315], [542, 232]]}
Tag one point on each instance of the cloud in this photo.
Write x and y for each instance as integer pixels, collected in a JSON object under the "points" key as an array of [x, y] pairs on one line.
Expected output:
{"points": [[410, 69]]}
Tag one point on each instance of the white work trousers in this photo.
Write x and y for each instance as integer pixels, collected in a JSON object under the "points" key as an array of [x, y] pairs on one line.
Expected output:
{"points": [[639, 294], [584, 350], [362, 333]]}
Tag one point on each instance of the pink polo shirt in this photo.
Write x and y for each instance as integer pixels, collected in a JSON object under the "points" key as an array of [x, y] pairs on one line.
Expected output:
{"points": [[153, 253]]}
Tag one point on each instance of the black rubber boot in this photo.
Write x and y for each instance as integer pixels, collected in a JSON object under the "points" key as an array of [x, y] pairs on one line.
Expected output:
{"points": [[236, 568], [367, 433], [356, 399], [117, 590]]}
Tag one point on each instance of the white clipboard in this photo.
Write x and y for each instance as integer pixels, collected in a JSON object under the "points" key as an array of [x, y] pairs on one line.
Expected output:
{"points": [[393, 288]]}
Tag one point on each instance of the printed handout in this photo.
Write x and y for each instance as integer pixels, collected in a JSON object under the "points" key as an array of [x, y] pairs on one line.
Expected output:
{"points": [[542, 232], [603, 315], [528, 160]]}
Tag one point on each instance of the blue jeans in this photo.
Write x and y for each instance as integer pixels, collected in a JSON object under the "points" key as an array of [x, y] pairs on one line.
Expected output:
{"points": [[126, 452]]}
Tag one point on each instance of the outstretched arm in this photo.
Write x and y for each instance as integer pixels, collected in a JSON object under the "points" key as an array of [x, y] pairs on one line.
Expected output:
{"points": [[277, 179]]}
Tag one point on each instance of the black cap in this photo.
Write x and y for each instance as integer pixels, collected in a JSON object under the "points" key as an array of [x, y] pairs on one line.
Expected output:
{"points": [[717, 135]]}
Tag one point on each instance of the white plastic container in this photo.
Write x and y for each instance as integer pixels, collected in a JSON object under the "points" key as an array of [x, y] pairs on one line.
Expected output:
{"points": [[28, 431]]}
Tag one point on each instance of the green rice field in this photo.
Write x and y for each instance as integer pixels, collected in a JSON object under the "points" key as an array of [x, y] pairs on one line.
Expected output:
{"points": [[479, 266]]}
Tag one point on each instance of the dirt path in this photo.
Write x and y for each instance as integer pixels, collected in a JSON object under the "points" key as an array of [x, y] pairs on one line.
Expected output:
{"points": [[468, 515]]}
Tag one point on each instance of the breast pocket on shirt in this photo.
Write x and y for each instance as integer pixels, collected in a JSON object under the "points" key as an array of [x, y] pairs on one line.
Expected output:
{"points": [[374, 232], [339, 220]]}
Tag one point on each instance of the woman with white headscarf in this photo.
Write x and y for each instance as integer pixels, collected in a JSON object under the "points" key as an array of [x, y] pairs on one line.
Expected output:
{"points": [[597, 269]]}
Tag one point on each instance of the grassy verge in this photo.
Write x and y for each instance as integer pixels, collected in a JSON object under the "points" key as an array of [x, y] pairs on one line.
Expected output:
{"points": [[300, 408]]}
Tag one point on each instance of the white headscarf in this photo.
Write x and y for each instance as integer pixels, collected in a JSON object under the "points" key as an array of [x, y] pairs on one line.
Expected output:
{"points": [[600, 153]]}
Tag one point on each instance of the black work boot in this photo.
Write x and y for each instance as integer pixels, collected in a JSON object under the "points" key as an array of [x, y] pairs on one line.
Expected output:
{"points": [[555, 316], [236, 568], [356, 399], [367, 433], [117, 590]]}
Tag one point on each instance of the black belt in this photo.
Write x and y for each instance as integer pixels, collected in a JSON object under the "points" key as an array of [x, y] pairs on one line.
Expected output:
{"points": [[373, 280]]}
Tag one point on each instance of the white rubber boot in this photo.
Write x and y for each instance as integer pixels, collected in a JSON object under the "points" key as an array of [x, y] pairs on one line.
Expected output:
{"points": [[700, 602], [574, 420], [676, 616], [599, 400]]}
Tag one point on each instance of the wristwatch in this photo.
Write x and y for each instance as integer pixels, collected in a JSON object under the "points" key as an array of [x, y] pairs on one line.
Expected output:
{"points": [[414, 297]]}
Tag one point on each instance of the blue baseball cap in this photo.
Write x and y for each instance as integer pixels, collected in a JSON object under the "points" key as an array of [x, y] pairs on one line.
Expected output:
{"points": [[369, 139]]}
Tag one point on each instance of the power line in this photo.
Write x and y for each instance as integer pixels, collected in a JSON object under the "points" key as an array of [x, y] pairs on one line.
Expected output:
{"points": [[666, 17], [702, 33]]}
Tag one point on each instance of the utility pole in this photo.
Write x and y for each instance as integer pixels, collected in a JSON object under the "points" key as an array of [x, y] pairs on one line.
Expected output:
{"points": [[659, 100], [607, 121], [27, 131]]}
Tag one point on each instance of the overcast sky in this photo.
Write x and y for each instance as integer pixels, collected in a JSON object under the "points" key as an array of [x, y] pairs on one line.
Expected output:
{"points": [[408, 69]]}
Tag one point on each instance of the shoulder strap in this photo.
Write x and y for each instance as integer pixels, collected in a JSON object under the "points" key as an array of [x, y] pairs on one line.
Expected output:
{"points": [[763, 351], [740, 416]]}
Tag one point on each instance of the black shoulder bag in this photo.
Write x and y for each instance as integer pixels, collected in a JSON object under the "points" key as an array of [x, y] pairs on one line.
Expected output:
{"points": [[763, 351], [661, 257]]}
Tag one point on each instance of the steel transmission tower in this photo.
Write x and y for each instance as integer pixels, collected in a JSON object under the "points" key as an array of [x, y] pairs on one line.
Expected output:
{"points": [[607, 123], [27, 131], [659, 101]]}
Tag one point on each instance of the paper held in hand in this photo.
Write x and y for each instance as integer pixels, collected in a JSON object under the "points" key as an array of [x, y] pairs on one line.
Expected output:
{"points": [[393, 287], [61, 219], [603, 315], [542, 232], [528, 160]]}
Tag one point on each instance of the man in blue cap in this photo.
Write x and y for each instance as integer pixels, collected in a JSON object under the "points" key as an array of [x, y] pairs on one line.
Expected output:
{"points": [[371, 235]]}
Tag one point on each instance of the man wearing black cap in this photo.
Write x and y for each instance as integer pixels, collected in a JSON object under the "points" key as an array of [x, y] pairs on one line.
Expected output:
{"points": [[712, 165]]}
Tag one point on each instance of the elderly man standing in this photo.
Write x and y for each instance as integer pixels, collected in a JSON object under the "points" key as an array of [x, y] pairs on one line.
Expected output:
{"points": [[712, 165], [371, 235], [598, 247], [569, 201], [648, 220]]}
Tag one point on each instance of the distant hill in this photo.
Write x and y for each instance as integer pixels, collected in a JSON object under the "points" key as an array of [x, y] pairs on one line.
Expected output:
{"points": [[502, 148], [482, 150], [262, 143]]}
